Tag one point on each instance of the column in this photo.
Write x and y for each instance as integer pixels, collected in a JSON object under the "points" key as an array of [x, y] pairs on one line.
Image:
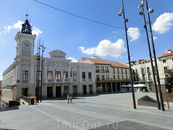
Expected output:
{"points": [[102, 88], [94, 88], [32, 74], [116, 87], [62, 89], [80, 74], [92, 74], [87, 88], [111, 88], [54, 89], [71, 89], [106, 87], [79, 89], [45, 71], [18, 72]]}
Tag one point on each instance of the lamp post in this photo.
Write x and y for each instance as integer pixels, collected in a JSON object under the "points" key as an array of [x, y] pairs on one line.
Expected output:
{"points": [[42, 60], [149, 50], [153, 47], [122, 12], [38, 73]]}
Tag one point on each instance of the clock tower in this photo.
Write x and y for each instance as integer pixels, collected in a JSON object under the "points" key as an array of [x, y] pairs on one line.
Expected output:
{"points": [[25, 41], [25, 59]]}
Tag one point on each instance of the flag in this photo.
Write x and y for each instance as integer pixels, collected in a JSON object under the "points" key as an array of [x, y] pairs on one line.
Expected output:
{"points": [[71, 72]]}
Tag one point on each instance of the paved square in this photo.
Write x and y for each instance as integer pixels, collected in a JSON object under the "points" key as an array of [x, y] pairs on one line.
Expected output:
{"points": [[106, 111]]}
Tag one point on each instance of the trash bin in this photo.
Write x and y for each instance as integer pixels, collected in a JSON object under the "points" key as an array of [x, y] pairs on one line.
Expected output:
{"points": [[32, 101]]}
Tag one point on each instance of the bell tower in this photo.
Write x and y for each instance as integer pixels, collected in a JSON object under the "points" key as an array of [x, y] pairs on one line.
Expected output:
{"points": [[25, 41]]}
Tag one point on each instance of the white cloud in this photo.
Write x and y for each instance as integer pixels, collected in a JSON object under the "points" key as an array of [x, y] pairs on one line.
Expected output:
{"points": [[133, 33], [106, 48], [18, 25], [163, 23], [73, 59], [154, 38], [36, 31]]}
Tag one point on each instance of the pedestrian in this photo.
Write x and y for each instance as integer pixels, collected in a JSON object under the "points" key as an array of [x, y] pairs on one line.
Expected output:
{"points": [[70, 98]]}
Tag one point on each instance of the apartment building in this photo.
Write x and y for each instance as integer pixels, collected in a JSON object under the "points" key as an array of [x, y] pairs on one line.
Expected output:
{"points": [[109, 75], [142, 70]]}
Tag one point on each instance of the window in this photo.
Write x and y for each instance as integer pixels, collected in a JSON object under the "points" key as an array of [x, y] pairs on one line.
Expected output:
{"points": [[143, 77], [125, 71], [164, 61], [107, 77], [83, 75], [102, 69], [97, 77], [65, 74], [142, 70], [121, 70], [165, 69], [117, 70], [49, 75], [107, 69], [25, 74], [149, 76], [122, 77], [103, 77], [114, 77], [74, 75], [97, 69], [118, 77], [126, 77], [89, 75], [58, 74], [148, 69], [113, 70]]}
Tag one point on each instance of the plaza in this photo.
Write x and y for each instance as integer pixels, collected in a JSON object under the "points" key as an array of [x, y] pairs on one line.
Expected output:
{"points": [[99, 111]]}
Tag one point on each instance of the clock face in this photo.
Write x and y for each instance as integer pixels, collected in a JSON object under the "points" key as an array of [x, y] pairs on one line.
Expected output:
{"points": [[26, 44]]}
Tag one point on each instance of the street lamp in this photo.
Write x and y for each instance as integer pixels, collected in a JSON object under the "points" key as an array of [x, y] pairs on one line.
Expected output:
{"points": [[149, 50], [122, 12], [153, 47], [42, 60]]}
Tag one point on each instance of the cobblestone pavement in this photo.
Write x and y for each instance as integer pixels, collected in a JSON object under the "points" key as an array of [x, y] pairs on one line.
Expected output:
{"points": [[106, 111]]}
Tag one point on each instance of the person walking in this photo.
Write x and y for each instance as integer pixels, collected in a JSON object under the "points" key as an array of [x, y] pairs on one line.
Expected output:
{"points": [[70, 98]]}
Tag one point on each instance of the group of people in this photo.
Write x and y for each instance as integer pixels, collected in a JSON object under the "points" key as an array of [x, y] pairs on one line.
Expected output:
{"points": [[69, 98], [64, 96]]}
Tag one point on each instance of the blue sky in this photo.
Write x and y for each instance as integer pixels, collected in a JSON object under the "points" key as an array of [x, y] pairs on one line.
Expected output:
{"points": [[79, 37]]}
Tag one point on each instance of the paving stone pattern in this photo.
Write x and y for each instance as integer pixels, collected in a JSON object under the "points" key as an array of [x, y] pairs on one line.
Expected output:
{"points": [[113, 111]]}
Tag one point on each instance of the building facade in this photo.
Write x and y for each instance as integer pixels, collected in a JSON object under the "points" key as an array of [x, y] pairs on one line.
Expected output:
{"points": [[58, 73], [142, 70], [109, 75]]}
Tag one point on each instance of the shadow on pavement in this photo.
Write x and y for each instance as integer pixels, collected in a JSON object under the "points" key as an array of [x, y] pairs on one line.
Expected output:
{"points": [[9, 109]]}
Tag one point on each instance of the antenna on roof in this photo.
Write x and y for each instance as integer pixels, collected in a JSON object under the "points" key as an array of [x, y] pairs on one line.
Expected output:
{"points": [[170, 44], [27, 13]]}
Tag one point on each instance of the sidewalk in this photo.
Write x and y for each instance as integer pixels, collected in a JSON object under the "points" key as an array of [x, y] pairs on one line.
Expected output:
{"points": [[106, 111]]}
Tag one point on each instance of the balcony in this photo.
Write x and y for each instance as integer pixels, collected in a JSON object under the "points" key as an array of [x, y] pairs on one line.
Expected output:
{"points": [[100, 80], [25, 81]]}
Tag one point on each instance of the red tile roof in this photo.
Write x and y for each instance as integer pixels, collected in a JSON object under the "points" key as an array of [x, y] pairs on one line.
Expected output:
{"points": [[166, 54], [98, 60]]}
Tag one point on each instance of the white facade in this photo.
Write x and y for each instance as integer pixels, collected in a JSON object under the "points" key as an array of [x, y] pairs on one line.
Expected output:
{"points": [[59, 74]]}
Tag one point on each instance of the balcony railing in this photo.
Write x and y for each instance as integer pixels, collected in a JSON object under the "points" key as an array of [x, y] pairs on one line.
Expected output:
{"points": [[111, 79]]}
